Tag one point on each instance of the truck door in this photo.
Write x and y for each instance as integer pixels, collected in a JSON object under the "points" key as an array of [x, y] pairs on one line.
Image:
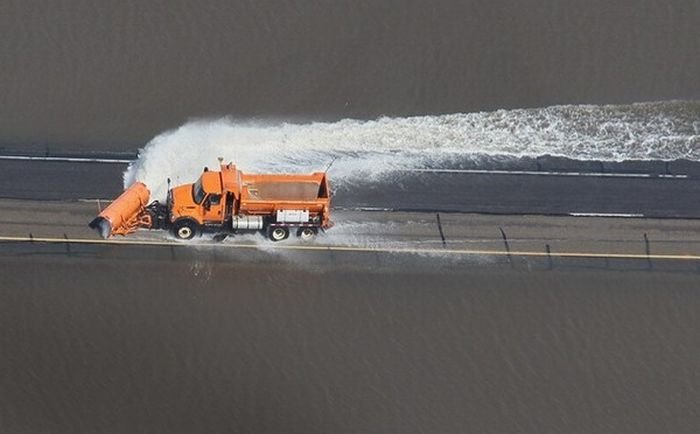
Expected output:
{"points": [[212, 208]]}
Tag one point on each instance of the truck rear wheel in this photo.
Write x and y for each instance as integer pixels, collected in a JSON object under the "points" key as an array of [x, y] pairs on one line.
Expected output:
{"points": [[278, 233], [306, 234], [185, 229]]}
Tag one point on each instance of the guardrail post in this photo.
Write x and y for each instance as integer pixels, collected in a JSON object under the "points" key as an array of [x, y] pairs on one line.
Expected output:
{"points": [[67, 244], [648, 251], [442, 234], [505, 242], [549, 256]]}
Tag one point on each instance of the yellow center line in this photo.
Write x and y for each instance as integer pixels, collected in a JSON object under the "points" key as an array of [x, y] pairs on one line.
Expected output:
{"points": [[685, 257]]}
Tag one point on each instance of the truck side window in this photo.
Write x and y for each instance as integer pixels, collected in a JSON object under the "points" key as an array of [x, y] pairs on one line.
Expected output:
{"points": [[214, 199], [197, 191]]}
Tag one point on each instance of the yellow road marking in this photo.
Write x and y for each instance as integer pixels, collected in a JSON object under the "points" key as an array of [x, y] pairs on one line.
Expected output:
{"points": [[685, 257]]}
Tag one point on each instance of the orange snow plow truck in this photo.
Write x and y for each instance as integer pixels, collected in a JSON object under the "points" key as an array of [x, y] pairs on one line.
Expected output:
{"points": [[225, 202]]}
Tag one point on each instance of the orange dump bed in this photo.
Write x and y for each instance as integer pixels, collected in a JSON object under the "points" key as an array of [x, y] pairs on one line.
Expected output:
{"points": [[265, 194]]}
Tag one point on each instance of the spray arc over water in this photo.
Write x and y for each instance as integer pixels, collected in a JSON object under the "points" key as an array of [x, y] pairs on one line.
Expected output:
{"points": [[374, 149]]}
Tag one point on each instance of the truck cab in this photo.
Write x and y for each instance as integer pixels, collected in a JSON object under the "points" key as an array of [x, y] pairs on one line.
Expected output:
{"points": [[198, 204]]}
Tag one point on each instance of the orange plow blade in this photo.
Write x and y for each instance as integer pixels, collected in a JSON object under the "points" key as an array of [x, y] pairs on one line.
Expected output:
{"points": [[125, 214]]}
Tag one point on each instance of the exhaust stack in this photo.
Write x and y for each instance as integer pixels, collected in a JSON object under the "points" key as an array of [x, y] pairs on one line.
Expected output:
{"points": [[126, 214]]}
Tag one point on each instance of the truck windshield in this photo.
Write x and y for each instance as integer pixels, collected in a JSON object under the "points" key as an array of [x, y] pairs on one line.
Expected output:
{"points": [[198, 192]]}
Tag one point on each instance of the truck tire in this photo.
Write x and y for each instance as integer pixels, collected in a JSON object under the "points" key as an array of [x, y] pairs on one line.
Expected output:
{"points": [[185, 229], [278, 233], [306, 234]]}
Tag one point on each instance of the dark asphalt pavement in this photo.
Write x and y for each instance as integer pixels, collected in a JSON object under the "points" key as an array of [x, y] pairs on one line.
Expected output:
{"points": [[413, 191]]}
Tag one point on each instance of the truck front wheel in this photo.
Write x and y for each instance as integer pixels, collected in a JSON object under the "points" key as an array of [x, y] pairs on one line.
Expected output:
{"points": [[185, 229]]}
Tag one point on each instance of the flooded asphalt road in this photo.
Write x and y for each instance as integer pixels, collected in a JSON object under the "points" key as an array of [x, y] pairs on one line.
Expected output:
{"points": [[651, 189]]}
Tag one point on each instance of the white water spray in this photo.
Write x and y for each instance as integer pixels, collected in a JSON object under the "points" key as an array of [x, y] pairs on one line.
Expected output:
{"points": [[373, 149]]}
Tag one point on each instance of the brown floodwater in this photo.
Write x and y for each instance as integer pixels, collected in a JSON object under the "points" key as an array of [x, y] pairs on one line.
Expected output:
{"points": [[79, 75], [126, 339]]}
